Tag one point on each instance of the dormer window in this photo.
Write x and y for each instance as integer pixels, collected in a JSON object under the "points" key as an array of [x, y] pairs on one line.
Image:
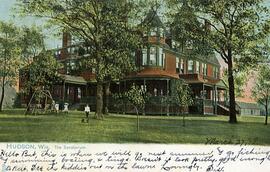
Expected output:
{"points": [[216, 72], [161, 32], [153, 32]]}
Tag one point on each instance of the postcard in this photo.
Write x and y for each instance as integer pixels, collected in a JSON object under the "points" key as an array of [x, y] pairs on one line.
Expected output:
{"points": [[158, 85]]}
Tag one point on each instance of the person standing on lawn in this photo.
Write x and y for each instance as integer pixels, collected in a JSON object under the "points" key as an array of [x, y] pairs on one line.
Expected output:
{"points": [[87, 112]]}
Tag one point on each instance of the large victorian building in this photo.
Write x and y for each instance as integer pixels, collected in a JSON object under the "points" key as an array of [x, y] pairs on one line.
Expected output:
{"points": [[159, 63]]}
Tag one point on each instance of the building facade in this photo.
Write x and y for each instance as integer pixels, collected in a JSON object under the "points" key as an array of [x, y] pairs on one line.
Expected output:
{"points": [[159, 63]]}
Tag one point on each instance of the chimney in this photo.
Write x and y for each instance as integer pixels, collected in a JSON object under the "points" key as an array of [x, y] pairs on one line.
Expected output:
{"points": [[65, 43], [66, 39]]}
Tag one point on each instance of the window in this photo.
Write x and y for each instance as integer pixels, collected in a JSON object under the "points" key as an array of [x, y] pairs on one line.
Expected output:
{"points": [[144, 57], [182, 65], [70, 66], [161, 32], [153, 56], [198, 67], [216, 72], [175, 44], [153, 32], [79, 93], [161, 56], [205, 69], [189, 44], [177, 65], [190, 66]]}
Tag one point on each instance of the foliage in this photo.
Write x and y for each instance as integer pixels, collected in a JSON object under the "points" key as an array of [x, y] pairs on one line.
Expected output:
{"points": [[31, 42], [261, 90], [103, 26], [183, 23], [182, 94], [135, 95], [237, 27], [240, 80], [41, 73], [9, 56]]}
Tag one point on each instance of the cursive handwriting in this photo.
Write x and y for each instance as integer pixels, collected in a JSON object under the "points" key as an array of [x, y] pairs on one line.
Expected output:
{"points": [[213, 158]]}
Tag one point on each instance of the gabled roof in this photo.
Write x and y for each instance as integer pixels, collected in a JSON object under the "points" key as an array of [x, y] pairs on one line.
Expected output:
{"points": [[152, 19]]}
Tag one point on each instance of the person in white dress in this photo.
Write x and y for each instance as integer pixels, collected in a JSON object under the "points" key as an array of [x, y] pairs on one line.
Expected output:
{"points": [[65, 108], [56, 107]]}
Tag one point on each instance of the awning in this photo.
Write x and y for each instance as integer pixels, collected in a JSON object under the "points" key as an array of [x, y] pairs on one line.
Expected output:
{"points": [[73, 79]]}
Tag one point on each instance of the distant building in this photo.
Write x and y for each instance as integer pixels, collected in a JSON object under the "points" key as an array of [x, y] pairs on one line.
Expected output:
{"points": [[248, 108]]}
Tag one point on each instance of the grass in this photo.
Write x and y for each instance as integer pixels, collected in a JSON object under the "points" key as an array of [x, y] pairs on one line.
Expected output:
{"points": [[16, 127]]}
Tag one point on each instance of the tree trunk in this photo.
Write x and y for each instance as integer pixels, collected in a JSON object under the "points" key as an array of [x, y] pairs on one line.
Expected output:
{"points": [[99, 101], [106, 98], [29, 99], [2, 94], [266, 113], [231, 90]]}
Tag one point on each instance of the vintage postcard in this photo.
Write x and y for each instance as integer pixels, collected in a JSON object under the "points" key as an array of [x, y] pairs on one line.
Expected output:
{"points": [[134, 85]]}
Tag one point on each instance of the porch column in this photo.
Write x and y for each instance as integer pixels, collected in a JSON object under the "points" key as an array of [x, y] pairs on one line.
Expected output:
{"points": [[145, 89], [168, 92], [203, 98], [64, 91], [215, 99]]}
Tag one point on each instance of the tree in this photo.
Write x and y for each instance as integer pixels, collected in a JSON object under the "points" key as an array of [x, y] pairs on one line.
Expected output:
{"points": [[240, 80], [261, 90], [137, 97], [103, 26], [31, 41], [181, 97], [9, 57], [41, 73], [236, 27]]}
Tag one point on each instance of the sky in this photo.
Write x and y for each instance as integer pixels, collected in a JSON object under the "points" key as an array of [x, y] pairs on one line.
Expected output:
{"points": [[7, 14]]}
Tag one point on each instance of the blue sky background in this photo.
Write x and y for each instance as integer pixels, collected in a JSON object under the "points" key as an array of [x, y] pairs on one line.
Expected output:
{"points": [[7, 14]]}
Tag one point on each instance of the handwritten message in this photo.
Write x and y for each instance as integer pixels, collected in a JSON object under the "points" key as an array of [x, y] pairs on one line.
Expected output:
{"points": [[25, 157]]}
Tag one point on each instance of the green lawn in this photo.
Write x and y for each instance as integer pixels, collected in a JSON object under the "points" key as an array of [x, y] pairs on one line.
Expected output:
{"points": [[15, 127]]}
